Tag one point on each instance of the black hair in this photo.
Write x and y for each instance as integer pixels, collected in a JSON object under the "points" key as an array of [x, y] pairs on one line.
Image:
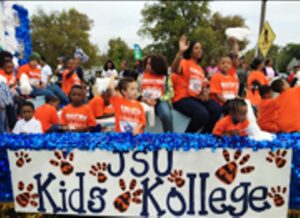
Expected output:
{"points": [[267, 61], [51, 98], [76, 87], [255, 85], [188, 53], [106, 65], [277, 85], [158, 64], [28, 104], [255, 63], [123, 83], [232, 56], [264, 90], [232, 106], [43, 58], [5, 56]]}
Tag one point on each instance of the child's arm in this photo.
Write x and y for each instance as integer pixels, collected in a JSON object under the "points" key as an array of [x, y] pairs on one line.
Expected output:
{"points": [[138, 129], [111, 87]]}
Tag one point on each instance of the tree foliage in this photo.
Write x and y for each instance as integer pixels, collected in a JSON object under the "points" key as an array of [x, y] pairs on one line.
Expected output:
{"points": [[119, 51], [166, 21], [59, 33], [286, 54]]}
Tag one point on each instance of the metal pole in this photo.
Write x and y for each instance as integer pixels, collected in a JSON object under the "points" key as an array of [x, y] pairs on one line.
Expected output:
{"points": [[262, 22]]}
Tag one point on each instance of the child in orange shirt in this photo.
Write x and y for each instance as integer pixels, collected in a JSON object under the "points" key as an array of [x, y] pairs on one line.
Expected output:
{"points": [[130, 115], [47, 115], [224, 86], [256, 79], [100, 105], [288, 105], [77, 116], [236, 122], [267, 113], [69, 77]]}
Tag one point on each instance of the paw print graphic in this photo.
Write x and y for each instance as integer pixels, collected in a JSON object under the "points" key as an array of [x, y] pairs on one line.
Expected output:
{"points": [[22, 158], [276, 195], [98, 171], [25, 198], [122, 202], [176, 177], [278, 158], [227, 173], [63, 161]]}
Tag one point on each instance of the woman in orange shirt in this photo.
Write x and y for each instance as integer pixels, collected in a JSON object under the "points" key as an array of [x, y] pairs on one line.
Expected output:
{"points": [[195, 102], [255, 79], [69, 77]]}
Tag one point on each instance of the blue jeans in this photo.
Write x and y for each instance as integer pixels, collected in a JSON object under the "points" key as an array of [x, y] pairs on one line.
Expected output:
{"points": [[59, 93], [51, 90], [2, 121], [164, 111], [203, 114]]}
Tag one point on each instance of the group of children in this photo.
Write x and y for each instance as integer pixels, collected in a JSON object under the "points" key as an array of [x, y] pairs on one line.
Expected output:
{"points": [[213, 106]]}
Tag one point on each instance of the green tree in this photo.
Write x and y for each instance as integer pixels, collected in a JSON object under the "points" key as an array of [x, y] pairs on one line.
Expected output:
{"points": [[286, 54], [59, 33], [166, 21], [119, 51]]}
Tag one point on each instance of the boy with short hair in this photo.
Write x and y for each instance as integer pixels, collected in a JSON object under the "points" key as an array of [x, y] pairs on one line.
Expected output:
{"points": [[28, 124], [47, 114]]}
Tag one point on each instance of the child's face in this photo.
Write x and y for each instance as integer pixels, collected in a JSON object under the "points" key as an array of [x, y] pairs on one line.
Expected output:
{"points": [[76, 96], [268, 95], [33, 63], [9, 67], [27, 113], [131, 91], [72, 64], [240, 115], [148, 65], [225, 65]]}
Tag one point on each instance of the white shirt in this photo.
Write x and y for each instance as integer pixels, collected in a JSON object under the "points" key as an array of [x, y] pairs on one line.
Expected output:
{"points": [[46, 72], [31, 126], [110, 73]]}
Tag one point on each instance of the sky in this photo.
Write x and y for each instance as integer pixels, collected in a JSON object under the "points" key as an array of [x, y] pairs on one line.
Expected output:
{"points": [[123, 18]]}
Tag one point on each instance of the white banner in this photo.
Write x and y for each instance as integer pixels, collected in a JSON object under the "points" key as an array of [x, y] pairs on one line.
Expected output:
{"points": [[223, 183]]}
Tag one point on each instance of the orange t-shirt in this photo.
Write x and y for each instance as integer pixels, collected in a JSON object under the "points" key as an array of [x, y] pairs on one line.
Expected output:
{"points": [[77, 117], [67, 83], [129, 114], [232, 71], [255, 98], [153, 85], [226, 124], [226, 85], [194, 76], [267, 115], [179, 86], [10, 78], [47, 115], [288, 105], [99, 108], [34, 74]]}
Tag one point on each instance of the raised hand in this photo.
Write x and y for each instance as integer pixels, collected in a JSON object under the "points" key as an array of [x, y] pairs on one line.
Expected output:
{"points": [[183, 44]]}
